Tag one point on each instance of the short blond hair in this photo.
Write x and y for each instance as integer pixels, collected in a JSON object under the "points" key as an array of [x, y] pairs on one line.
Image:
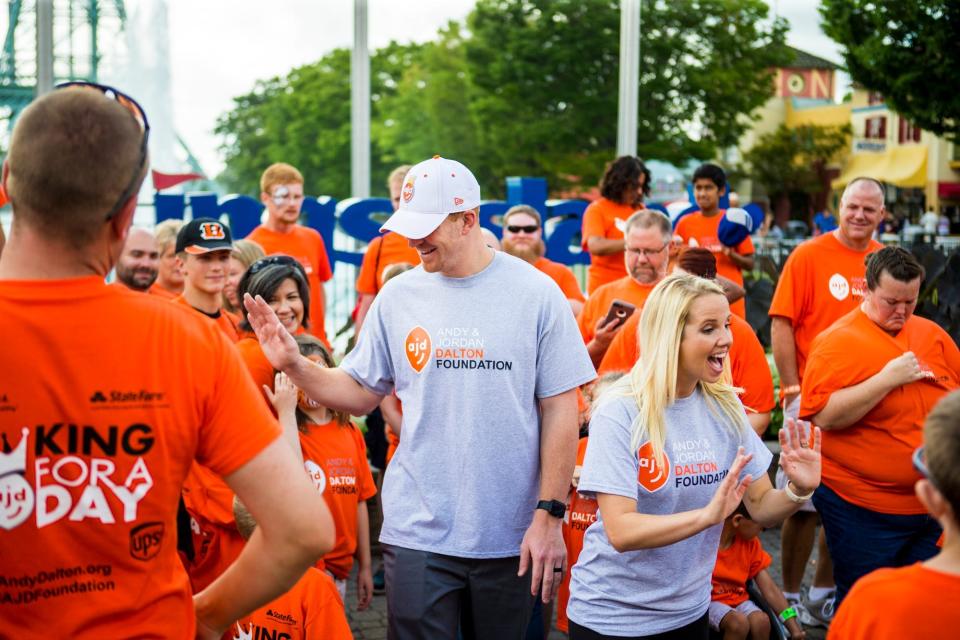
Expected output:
{"points": [[398, 174], [166, 234], [522, 208], [279, 173], [247, 252]]}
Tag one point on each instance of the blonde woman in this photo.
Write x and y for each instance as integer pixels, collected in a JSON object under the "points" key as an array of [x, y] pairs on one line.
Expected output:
{"points": [[244, 254], [671, 455]]}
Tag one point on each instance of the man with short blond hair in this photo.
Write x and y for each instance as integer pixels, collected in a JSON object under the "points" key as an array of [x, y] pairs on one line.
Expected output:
{"points": [[169, 283], [281, 192], [523, 238]]}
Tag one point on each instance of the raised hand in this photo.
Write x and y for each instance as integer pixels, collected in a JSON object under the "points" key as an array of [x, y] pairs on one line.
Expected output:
{"points": [[283, 397], [730, 490], [800, 461], [278, 345]]}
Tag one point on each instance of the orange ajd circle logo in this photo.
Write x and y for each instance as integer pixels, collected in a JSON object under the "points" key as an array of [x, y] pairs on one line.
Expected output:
{"points": [[407, 192], [211, 231], [652, 474], [417, 348]]}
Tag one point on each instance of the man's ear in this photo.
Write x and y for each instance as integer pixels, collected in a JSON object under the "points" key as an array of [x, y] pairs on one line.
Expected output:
{"points": [[122, 219], [471, 219], [265, 198]]}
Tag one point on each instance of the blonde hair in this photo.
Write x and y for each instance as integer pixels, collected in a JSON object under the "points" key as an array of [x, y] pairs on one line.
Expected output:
{"points": [[653, 379], [247, 252], [166, 233], [279, 173], [398, 174], [395, 269]]}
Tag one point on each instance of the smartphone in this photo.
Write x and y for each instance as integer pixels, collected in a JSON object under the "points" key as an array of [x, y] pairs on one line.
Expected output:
{"points": [[619, 311]]}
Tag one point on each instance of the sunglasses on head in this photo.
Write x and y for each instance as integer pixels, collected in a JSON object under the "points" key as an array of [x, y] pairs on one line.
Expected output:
{"points": [[263, 263], [527, 228], [138, 114]]}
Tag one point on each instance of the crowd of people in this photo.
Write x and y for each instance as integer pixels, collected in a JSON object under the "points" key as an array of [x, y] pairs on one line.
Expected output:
{"points": [[181, 458]]}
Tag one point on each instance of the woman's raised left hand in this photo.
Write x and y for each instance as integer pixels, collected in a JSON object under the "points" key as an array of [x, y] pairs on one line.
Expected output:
{"points": [[800, 460]]}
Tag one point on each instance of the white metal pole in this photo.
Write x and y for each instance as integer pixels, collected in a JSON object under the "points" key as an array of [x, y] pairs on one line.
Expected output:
{"points": [[629, 77], [44, 46], [360, 104]]}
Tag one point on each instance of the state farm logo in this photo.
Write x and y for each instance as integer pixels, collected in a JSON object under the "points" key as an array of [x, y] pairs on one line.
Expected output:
{"points": [[145, 540], [839, 287], [128, 399], [285, 618], [316, 474], [6, 404], [652, 475], [417, 348]]}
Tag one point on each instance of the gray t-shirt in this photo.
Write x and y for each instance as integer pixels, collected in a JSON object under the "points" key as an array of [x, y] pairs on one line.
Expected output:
{"points": [[469, 359], [638, 593]]}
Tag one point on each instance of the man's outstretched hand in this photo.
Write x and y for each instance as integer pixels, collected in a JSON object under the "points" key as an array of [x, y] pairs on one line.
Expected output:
{"points": [[278, 345]]}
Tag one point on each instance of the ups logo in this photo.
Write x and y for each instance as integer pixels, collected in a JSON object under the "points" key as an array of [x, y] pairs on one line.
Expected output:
{"points": [[212, 231], [145, 540]]}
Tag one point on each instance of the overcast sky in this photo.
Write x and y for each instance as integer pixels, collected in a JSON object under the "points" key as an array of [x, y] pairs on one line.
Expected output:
{"points": [[219, 48]]}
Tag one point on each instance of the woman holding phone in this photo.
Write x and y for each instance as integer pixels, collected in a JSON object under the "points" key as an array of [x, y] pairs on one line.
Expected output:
{"points": [[671, 455]]}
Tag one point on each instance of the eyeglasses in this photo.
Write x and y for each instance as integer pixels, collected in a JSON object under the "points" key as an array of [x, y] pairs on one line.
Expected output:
{"points": [[920, 462], [527, 228], [139, 115], [648, 253], [283, 260]]}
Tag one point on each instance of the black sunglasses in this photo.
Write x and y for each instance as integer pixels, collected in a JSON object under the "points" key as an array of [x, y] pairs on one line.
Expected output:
{"points": [[527, 228], [138, 114], [263, 263]]}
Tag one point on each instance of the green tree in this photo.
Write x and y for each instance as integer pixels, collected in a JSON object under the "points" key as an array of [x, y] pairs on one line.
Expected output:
{"points": [[908, 50], [791, 160]]}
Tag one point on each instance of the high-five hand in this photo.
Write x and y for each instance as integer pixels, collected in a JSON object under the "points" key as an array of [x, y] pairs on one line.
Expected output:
{"points": [[800, 461], [278, 345]]}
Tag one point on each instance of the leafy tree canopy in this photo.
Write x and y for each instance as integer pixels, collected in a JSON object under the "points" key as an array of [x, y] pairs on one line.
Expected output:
{"points": [[790, 160], [908, 50]]}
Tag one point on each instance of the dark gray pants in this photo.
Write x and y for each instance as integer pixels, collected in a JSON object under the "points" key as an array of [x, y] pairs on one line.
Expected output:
{"points": [[432, 596]]}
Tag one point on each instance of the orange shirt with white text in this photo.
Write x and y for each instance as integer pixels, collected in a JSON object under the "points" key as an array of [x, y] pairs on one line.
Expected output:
{"points": [[869, 463], [821, 281], [103, 423]]}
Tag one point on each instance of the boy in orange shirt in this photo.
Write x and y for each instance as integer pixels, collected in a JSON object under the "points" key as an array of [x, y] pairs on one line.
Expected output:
{"points": [[918, 601], [625, 182], [741, 558], [700, 228], [281, 191]]}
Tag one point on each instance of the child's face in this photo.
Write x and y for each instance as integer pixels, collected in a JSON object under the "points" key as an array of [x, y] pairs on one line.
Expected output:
{"points": [[707, 194], [745, 527]]}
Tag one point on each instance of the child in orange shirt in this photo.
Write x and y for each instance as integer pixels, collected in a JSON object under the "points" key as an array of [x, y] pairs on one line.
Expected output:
{"points": [[335, 457], [918, 601], [741, 558]]}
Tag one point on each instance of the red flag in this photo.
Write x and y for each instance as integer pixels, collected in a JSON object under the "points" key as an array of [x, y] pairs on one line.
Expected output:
{"points": [[163, 181]]}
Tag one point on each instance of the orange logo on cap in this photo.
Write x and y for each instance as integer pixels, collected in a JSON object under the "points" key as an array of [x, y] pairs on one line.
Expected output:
{"points": [[652, 474], [417, 347], [407, 193], [212, 231]]}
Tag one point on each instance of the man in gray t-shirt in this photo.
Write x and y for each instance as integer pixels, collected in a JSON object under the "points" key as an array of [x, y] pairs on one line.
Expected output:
{"points": [[485, 357]]}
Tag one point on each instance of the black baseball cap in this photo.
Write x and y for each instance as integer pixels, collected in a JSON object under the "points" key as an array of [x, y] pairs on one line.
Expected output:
{"points": [[203, 235]]}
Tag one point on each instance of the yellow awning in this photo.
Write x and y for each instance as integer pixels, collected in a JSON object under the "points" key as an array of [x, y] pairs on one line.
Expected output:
{"points": [[903, 166]]}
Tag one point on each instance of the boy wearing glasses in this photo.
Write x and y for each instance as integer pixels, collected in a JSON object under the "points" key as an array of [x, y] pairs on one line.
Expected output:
{"points": [[917, 601], [281, 192], [523, 238]]}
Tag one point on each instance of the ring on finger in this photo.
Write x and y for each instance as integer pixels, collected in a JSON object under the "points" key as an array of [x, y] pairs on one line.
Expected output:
{"points": [[558, 569]]}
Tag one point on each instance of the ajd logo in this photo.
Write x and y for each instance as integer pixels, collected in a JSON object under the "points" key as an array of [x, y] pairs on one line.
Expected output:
{"points": [[316, 474], [417, 348], [652, 474], [16, 495], [839, 287]]}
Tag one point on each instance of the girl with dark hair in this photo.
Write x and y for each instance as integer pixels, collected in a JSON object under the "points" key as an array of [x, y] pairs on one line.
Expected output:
{"points": [[282, 282], [625, 183]]}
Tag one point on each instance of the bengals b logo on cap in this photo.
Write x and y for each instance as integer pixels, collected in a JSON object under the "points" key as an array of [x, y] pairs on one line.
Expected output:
{"points": [[652, 474], [417, 348], [201, 235], [212, 231]]}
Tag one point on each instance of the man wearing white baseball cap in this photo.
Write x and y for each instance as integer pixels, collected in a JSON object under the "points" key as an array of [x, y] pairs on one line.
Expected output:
{"points": [[486, 358]]}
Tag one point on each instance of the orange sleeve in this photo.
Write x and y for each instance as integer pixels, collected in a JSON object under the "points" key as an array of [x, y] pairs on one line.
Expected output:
{"points": [[368, 487], [587, 320], [682, 228], [569, 285], [324, 271], [745, 248], [257, 364], [367, 280], [623, 351], [751, 371], [823, 375], [325, 617], [237, 423], [788, 296], [593, 223], [760, 559]]}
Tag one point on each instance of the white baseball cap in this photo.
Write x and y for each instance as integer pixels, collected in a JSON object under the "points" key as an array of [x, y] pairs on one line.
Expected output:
{"points": [[432, 190]]}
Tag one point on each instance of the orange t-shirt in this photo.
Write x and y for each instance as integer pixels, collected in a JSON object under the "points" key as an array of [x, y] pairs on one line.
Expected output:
{"points": [[226, 321], [701, 231], [382, 252], [890, 604], [259, 367], [869, 462], [311, 610], [821, 281], [598, 304], [749, 368], [581, 513], [335, 457], [157, 290], [104, 421], [306, 246], [562, 275], [600, 219], [736, 564]]}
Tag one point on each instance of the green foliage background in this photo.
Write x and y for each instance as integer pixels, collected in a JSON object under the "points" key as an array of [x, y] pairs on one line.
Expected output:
{"points": [[522, 87]]}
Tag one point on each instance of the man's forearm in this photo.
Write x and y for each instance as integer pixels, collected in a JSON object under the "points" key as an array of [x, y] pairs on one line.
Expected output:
{"points": [[363, 306], [333, 388], [597, 350]]}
